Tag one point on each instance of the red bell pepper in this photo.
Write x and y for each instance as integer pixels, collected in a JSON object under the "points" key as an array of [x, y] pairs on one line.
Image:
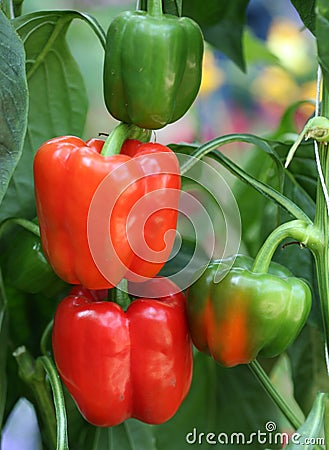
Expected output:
{"points": [[120, 364], [85, 240]]}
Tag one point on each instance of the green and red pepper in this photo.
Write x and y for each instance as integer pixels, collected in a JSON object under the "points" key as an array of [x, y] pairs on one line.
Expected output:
{"points": [[246, 313]]}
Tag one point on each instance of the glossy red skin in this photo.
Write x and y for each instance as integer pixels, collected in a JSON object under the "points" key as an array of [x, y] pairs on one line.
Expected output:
{"points": [[117, 364], [67, 173]]}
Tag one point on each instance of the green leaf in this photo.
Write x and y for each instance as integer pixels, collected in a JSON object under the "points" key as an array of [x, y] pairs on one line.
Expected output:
{"points": [[13, 102], [129, 435], [311, 428], [287, 126], [222, 23], [28, 315], [221, 400], [17, 6], [3, 350], [58, 99], [308, 367], [301, 176], [210, 148], [256, 51], [306, 10], [173, 7], [103, 439], [259, 216], [186, 255], [322, 30]]}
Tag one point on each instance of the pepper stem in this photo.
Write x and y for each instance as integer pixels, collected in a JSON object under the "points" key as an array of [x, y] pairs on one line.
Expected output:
{"points": [[267, 384], [300, 230], [120, 134], [119, 295], [154, 8]]}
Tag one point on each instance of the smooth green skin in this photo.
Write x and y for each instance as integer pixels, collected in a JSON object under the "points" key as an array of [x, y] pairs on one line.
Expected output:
{"points": [[246, 313], [152, 68], [27, 269]]}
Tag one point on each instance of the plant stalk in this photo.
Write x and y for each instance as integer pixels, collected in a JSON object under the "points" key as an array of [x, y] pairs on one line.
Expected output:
{"points": [[154, 8], [267, 384], [34, 376], [321, 254], [304, 233], [120, 134]]}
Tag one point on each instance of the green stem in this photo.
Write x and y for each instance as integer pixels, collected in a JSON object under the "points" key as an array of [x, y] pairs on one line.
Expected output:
{"points": [[120, 134], [211, 147], [154, 8], [301, 231], [141, 5], [96, 27], [46, 338], [326, 421], [61, 419], [34, 376], [264, 380], [321, 222], [3, 353], [17, 4], [119, 295]]}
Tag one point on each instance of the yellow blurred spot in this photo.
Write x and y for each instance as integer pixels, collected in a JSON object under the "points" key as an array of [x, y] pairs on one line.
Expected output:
{"points": [[212, 76], [308, 92], [290, 45], [275, 85]]}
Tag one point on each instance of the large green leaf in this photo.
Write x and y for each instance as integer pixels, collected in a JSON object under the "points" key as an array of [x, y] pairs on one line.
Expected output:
{"points": [[258, 214], [306, 10], [322, 30], [13, 101], [58, 100], [222, 23], [130, 435], [3, 350], [312, 428], [256, 50], [307, 356], [173, 7], [221, 400], [301, 176]]}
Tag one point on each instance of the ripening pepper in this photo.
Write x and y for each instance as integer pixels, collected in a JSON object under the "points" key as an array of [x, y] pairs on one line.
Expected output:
{"points": [[103, 218], [26, 267], [246, 313], [152, 66], [117, 364]]}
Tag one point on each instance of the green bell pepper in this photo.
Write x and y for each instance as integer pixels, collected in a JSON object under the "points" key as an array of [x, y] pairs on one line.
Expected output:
{"points": [[152, 67], [246, 313]]}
